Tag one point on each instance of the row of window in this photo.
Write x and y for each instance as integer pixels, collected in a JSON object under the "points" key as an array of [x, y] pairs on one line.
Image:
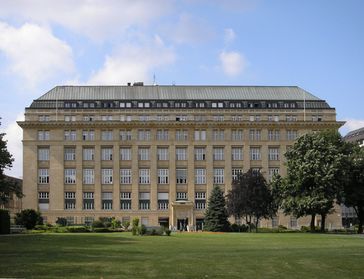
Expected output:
{"points": [[163, 175], [144, 153], [125, 200], [180, 135]]}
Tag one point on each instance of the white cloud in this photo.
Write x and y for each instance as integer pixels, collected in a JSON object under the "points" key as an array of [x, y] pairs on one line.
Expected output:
{"points": [[97, 19], [14, 136], [34, 53], [233, 63], [351, 125], [229, 35], [134, 62]]}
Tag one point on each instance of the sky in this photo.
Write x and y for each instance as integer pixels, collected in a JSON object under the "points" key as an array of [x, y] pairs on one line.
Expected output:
{"points": [[315, 44]]}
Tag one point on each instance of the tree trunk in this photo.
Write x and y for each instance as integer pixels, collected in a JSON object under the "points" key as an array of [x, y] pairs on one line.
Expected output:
{"points": [[312, 224], [323, 219], [256, 225], [360, 214]]}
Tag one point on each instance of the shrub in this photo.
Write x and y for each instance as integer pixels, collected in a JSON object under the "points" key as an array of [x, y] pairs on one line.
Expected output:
{"points": [[305, 229], [167, 232], [61, 221], [281, 227], [142, 230], [126, 225], [77, 229], [115, 223], [135, 228], [239, 228], [4, 222], [98, 224], [106, 221], [28, 218], [102, 230], [41, 227]]}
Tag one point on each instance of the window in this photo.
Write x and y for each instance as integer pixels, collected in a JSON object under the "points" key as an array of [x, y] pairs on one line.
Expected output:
{"points": [[125, 134], [125, 153], [163, 201], [181, 153], [43, 200], [43, 195], [272, 118], [70, 135], [237, 118], [43, 176], [69, 154], [143, 153], [181, 176], [272, 172], [162, 153], [88, 176], [217, 105], [69, 200], [237, 153], [273, 135], [218, 153], [106, 154], [255, 153], [162, 118], [43, 154], [124, 118], [43, 135], [125, 200], [88, 118], [106, 117], [254, 134], [235, 173], [163, 176], [200, 176], [125, 176], [218, 134], [181, 135], [143, 105], [255, 171], [88, 154], [181, 196], [218, 176], [181, 117], [143, 134], [88, 200], [69, 118], [106, 176], [106, 135], [106, 200], [43, 118], [162, 134], [200, 195], [144, 176], [144, 118], [200, 200], [317, 118], [273, 153], [200, 135], [124, 105], [275, 222], [144, 201], [237, 135], [218, 118], [70, 176], [88, 135], [292, 134], [293, 222], [200, 153], [291, 118], [200, 118]]}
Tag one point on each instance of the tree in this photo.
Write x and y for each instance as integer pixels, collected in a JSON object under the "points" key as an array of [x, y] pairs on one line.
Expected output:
{"points": [[8, 186], [352, 194], [315, 167], [251, 199], [216, 215], [4, 221], [28, 218]]}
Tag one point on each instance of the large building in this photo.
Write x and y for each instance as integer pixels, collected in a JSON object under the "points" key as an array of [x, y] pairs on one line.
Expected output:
{"points": [[155, 152]]}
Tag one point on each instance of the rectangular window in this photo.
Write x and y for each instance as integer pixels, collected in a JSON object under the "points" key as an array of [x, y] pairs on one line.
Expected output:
{"points": [[144, 176], [200, 176], [107, 135], [218, 176], [293, 222], [181, 153], [88, 200], [163, 176], [70, 176], [181, 117], [162, 134], [181, 196], [237, 153], [255, 153], [218, 134], [143, 153], [218, 118], [70, 118], [125, 153], [273, 153], [144, 201], [200, 135], [237, 135], [218, 153], [181, 135], [273, 135], [237, 118], [106, 153], [88, 176], [125, 135], [106, 117], [200, 118], [69, 200], [235, 173], [125, 200], [88, 118], [144, 135], [272, 172], [163, 201], [43, 154], [43, 118], [43, 135], [291, 118], [69, 154], [181, 176], [88, 135], [43, 195], [254, 134], [200, 153], [162, 154], [106, 176], [200, 200], [144, 118], [70, 135], [292, 134], [106, 200], [88, 153], [43, 176], [125, 176]]}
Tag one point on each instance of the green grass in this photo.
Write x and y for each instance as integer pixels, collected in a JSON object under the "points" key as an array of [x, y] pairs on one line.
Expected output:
{"points": [[198, 255]]}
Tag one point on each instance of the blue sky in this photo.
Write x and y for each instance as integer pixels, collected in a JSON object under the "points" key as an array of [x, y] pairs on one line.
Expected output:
{"points": [[315, 44]]}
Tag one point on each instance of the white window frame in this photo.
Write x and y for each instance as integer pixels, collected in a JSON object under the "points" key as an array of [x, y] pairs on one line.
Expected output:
{"points": [[144, 176], [219, 175], [88, 176], [125, 176], [200, 176], [106, 176]]}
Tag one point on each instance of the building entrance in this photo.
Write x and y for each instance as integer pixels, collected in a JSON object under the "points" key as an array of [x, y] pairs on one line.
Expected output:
{"points": [[182, 224]]}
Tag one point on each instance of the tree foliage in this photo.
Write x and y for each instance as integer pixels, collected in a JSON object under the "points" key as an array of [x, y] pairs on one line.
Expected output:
{"points": [[28, 218], [315, 171], [251, 198], [216, 215]]}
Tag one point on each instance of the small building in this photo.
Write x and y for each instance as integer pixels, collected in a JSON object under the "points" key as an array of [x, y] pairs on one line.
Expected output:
{"points": [[14, 205]]}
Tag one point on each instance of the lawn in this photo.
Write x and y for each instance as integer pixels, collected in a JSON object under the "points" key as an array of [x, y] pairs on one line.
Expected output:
{"points": [[195, 255]]}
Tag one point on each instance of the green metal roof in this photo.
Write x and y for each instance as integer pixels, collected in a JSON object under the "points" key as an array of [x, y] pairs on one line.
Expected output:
{"points": [[172, 92]]}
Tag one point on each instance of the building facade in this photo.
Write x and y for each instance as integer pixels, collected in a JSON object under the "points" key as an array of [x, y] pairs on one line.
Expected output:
{"points": [[155, 152]]}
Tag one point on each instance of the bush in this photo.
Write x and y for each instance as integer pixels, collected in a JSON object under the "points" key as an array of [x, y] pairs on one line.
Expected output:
{"points": [[41, 227], [77, 229], [281, 227], [126, 225], [28, 218], [61, 221], [135, 227], [102, 230], [98, 224], [305, 229], [58, 229], [167, 232], [4, 222], [115, 223], [142, 230]]}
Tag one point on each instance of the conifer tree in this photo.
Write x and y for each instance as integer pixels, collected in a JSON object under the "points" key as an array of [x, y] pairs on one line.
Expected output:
{"points": [[216, 215]]}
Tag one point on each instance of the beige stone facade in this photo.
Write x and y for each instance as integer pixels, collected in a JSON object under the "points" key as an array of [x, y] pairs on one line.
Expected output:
{"points": [[154, 152]]}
